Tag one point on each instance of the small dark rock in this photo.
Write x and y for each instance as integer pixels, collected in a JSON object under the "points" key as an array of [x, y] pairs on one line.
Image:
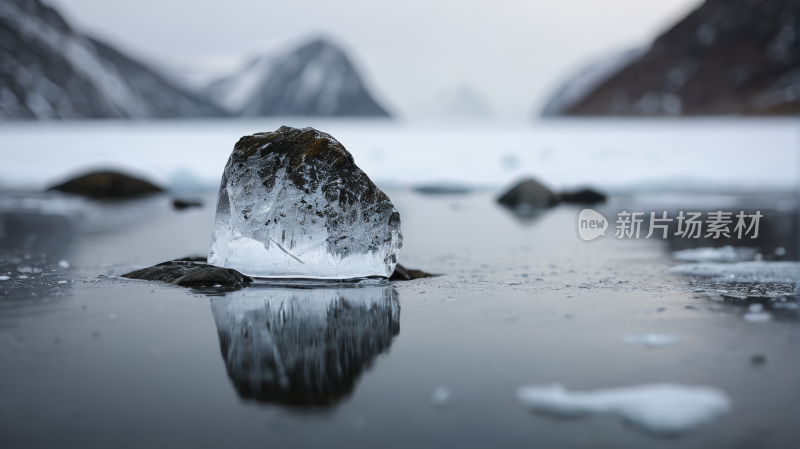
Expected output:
{"points": [[584, 196], [527, 196], [758, 359], [185, 204], [186, 273], [402, 273], [442, 189], [107, 185]]}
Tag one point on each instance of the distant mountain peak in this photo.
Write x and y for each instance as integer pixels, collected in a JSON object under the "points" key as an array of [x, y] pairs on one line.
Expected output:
{"points": [[316, 79]]}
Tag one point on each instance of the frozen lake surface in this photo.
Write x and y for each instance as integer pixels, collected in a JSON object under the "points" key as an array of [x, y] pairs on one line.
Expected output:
{"points": [[689, 153], [90, 359], [650, 349]]}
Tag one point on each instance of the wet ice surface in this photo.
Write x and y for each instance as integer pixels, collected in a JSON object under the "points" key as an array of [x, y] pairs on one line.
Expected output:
{"points": [[661, 409], [762, 272], [101, 361]]}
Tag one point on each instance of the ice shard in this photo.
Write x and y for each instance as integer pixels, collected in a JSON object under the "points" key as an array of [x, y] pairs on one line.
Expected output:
{"points": [[293, 204]]}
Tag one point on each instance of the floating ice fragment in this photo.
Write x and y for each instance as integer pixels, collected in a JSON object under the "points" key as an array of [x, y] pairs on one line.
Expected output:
{"points": [[786, 305], [661, 409], [63, 264], [440, 397], [22, 277], [293, 204], [4, 278], [755, 308], [652, 340], [761, 317], [761, 271], [725, 254], [62, 282]]}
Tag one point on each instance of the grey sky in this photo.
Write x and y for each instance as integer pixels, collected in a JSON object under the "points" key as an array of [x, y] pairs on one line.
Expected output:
{"points": [[513, 53]]}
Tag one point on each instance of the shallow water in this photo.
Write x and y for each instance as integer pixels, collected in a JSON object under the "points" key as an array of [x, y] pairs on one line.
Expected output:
{"points": [[100, 360]]}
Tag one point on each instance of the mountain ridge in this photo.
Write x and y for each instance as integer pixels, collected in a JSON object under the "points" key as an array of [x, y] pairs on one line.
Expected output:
{"points": [[727, 57], [315, 79]]}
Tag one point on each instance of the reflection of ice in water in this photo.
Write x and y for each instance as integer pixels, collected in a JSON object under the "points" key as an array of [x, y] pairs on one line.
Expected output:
{"points": [[662, 409], [303, 347]]}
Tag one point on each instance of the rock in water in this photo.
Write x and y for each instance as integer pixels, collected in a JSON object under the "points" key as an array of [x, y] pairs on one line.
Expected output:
{"points": [[293, 204], [187, 272], [107, 185], [583, 196], [402, 273], [527, 196]]}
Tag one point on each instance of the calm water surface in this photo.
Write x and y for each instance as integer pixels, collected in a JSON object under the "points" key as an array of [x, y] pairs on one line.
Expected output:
{"points": [[100, 361]]}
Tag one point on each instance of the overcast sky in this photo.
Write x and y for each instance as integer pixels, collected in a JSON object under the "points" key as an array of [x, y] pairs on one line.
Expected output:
{"points": [[512, 53]]}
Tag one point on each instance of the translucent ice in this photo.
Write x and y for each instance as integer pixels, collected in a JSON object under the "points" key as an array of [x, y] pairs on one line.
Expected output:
{"points": [[293, 204], [662, 409]]}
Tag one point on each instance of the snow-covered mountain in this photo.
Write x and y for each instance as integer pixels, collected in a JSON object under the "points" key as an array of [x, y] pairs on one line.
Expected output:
{"points": [[316, 79], [457, 102], [50, 71], [726, 57]]}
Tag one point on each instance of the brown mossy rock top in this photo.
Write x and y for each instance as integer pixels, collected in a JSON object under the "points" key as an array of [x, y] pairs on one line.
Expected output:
{"points": [[310, 154], [186, 273], [107, 184]]}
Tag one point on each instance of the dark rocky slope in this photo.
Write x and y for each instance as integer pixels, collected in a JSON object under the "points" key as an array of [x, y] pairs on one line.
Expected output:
{"points": [[726, 57]]}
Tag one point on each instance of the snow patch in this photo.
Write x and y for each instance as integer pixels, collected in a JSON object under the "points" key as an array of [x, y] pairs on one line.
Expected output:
{"points": [[660, 409], [652, 340], [725, 254]]}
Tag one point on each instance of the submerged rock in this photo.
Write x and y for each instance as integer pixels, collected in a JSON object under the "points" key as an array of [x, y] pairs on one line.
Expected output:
{"points": [[528, 195], [293, 203], [184, 272], [107, 184], [402, 273]]}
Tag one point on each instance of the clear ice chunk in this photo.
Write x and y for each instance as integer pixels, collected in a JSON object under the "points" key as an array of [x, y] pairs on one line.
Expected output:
{"points": [[293, 204]]}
